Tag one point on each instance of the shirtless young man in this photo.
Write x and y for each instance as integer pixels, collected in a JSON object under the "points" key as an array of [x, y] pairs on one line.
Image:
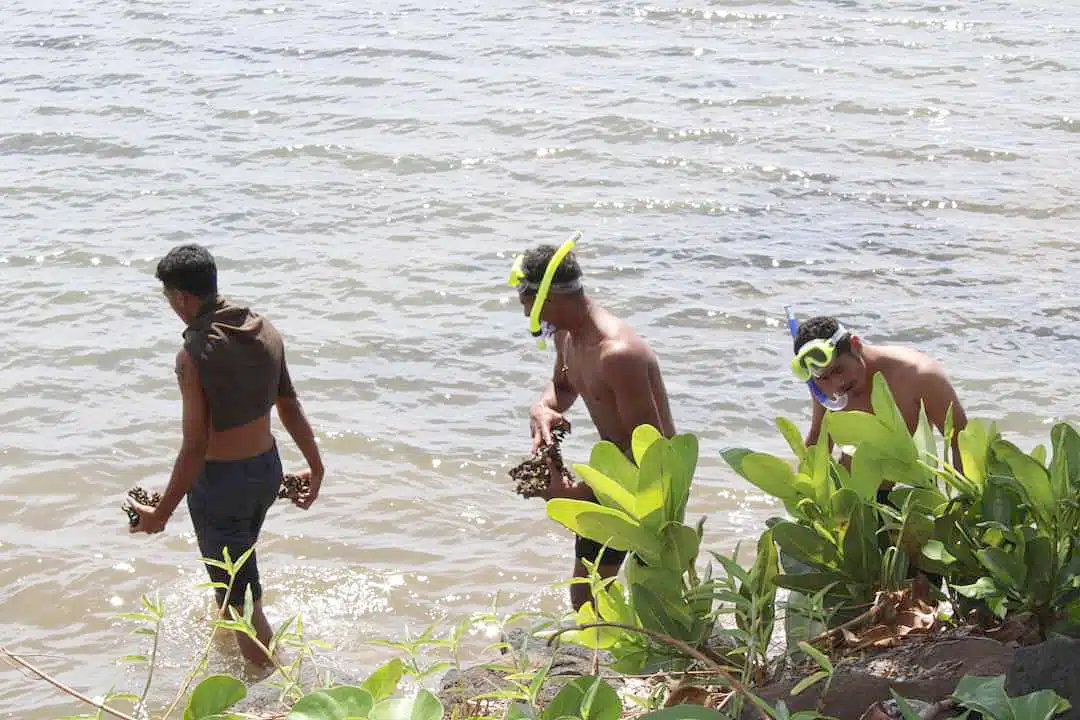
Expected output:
{"points": [[912, 377], [231, 371], [602, 360]]}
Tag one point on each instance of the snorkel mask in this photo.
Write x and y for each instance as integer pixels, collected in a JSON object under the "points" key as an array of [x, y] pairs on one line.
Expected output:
{"points": [[541, 329], [814, 357]]}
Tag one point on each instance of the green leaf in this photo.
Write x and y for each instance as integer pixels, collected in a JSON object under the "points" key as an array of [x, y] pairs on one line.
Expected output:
{"points": [[684, 712], [659, 616], [214, 695], [1065, 466], [609, 491], [935, 550], [858, 428], [604, 703], [819, 657], [643, 438], [982, 589], [867, 472], [1032, 476], [681, 545], [607, 458], [984, 694], [424, 706], [803, 543], [862, 556], [337, 703], [682, 460], [1040, 705], [884, 404], [769, 474], [974, 441], [809, 681], [808, 582], [383, 683], [605, 525], [925, 444], [792, 435]]}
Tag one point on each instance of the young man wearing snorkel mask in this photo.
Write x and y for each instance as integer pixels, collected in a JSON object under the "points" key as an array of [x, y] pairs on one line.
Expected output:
{"points": [[842, 368], [599, 358]]}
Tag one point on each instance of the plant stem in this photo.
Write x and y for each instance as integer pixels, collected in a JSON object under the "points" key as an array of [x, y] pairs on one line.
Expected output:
{"points": [[12, 657], [153, 661], [679, 645], [839, 629], [205, 653]]}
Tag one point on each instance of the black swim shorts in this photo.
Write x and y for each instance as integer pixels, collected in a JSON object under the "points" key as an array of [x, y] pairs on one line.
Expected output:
{"points": [[590, 549], [228, 504]]}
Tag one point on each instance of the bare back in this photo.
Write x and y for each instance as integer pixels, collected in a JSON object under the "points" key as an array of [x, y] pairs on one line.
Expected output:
{"points": [[618, 376]]}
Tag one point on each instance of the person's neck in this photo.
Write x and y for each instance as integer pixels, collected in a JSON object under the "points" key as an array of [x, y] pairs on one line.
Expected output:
{"points": [[580, 322]]}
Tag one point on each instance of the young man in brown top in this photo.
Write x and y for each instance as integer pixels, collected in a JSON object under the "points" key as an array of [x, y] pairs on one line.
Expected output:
{"points": [[601, 359], [231, 372]]}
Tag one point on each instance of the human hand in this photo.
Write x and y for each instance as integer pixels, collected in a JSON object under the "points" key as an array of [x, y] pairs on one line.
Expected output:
{"points": [[542, 420], [560, 484], [151, 519], [313, 480]]}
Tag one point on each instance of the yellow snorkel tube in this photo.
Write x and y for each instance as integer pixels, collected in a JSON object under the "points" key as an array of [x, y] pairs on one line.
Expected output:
{"points": [[517, 280]]}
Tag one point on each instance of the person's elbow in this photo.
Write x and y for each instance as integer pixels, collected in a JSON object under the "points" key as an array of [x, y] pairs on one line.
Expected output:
{"points": [[195, 444]]}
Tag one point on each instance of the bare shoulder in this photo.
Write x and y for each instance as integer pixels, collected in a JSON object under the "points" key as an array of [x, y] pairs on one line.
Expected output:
{"points": [[186, 373]]}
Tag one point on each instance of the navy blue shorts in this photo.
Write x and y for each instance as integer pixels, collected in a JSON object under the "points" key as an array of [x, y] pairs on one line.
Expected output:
{"points": [[228, 504]]}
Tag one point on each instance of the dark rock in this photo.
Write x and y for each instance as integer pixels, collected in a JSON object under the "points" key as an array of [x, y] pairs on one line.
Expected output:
{"points": [[926, 671], [1052, 665]]}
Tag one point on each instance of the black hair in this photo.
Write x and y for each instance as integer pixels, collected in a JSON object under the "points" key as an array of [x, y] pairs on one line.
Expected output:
{"points": [[189, 268], [536, 261], [821, 328]]}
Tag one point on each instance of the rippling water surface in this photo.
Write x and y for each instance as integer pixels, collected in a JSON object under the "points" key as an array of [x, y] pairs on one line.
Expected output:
{"points": [[364, 173]]}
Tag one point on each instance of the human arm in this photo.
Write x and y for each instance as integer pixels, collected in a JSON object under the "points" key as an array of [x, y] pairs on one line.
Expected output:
{"points": [[557, 398], [192, 456], [291, 414], [938, 396]]}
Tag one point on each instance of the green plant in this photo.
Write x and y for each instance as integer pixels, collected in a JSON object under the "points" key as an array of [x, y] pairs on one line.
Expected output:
{"points": [[987, 696], [641, 509]]}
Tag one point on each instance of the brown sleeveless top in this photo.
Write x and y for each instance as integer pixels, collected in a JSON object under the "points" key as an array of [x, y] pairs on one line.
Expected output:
{"points": [[241, 362]]}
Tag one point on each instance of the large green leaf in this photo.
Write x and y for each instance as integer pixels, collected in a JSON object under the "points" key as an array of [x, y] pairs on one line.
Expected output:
{"points": [[643, 438], [805, 544], [607, 458], [974, 441], [862, 556], [654, 485], [681, 545], [884, 404], [843, 502], [809, 583], [925, 443], [605, 525], [660, 615], [1032, 477], [587, 698], [683, 457], [608, 491], [1007, 568], [1041, 565], [987, 696], [213, 696], [867, 472], [1065, 465], [771, 475], [424, 706], [928, 500], [336, 703], [684, 712], [792, 435], [383, 683]]}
